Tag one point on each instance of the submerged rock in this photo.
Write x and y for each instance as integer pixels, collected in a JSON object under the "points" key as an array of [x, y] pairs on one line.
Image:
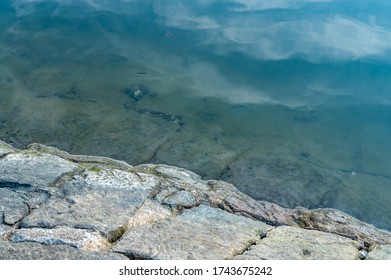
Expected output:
{"points": [[54, 205], [287, 182]]}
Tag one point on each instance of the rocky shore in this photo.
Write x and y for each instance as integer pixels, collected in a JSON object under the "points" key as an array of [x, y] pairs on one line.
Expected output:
{"points": [[54, 205]]}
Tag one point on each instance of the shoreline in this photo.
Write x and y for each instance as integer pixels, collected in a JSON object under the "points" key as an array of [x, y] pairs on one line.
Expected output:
{"points": [[55, 205]]}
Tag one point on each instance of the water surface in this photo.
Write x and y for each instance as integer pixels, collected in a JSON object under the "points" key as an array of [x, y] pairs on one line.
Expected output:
{"points": [[289, 100]]}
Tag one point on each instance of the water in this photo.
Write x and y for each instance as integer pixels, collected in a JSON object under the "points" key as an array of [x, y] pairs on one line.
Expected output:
{"points": [[289, 100]]}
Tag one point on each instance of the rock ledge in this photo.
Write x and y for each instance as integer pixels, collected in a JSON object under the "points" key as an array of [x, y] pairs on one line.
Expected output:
{"points": [[54, 205]]}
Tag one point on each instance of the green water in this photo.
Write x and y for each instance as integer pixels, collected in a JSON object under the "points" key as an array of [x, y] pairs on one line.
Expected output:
{"points": [[126, 82]]}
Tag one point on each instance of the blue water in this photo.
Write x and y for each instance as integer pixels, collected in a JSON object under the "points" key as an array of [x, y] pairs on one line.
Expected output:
{"points": [[289, 100]]}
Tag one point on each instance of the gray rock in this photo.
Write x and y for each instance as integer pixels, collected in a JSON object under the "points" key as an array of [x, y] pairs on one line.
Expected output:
{"points": [[150, 212], [36, 251], [5, 231], [199, 233], [73, 205], [264, 211], [5, 149], [176, 172], [37, 170], [335, 221], [99, 201], [78, 238], [182, 199], [381, 252], [12, 206], [289, 243]]}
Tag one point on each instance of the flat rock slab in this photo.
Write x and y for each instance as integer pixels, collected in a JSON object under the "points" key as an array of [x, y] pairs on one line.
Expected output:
{"points": [[290, 243], [5, 231], [78, 238], [37, 170], [36, 251], [198, 233], [12, 206], [382, 252], [101, 201]]}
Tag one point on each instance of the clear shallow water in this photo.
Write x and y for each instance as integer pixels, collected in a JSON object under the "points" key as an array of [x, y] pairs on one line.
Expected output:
{"points": [[289, 100]]}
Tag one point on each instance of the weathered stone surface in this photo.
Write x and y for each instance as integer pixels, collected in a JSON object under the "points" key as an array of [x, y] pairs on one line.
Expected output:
{"points": [[5, 231], [12, 206], [182, 199], [71, 204], [381, 252], [98, 201], [176, 172], [199, 233], [261, 210], [98, 160], [150, 212], [335, 221], [78, 238], [289, 243], [36, 251], [37, 170], [5, 148]]}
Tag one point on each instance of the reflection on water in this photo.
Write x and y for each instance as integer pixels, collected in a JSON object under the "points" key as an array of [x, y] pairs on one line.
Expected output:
{"points": [[289, 100]]}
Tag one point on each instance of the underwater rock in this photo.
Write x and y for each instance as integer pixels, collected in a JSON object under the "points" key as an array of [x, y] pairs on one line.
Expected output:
{"points": [[138, 92], [286, 182]]}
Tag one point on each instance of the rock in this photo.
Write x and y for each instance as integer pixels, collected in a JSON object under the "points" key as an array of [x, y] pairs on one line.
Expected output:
{"points": [[100, 201], [36, 251], [261, 210], [198, 233], [288, 182], [176, 172], [150, 212], [12, 206], [37, 170], [78, 238], [290, 243], [83, 207], [381, 252], [5, 149], [5, 231], [337, 222], [182, 199]]}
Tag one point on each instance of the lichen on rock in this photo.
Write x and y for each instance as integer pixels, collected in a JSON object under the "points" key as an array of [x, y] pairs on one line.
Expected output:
{"points": [[54, 205]]}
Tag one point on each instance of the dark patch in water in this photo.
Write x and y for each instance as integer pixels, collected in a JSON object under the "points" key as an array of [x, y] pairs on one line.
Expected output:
{"points": [[306, 117], [72, 94]]}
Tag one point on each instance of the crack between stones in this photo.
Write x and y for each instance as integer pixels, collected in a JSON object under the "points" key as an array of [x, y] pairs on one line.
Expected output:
{"points": [[65, 177], [153, 156], [253, 243]]}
